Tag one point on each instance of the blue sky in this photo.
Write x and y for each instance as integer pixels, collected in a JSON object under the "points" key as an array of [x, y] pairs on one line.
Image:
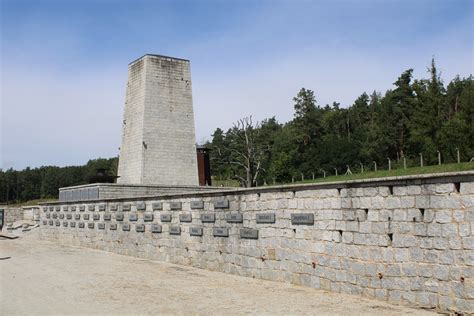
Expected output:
{"points": [[64, 63]]}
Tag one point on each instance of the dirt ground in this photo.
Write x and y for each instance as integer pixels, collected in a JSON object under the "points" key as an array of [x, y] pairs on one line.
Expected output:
{"points": [[38, 277]]}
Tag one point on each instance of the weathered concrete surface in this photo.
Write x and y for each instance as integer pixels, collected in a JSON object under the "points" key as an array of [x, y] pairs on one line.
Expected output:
{"points": [[42, 277]]}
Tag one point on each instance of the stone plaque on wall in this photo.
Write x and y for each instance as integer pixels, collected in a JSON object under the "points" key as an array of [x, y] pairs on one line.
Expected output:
{"points": [[81, 224], [51, 223], [140, 228], [57, 208], [73, 208], [61, 215], [58, 223], [69, 216], [133, 217], [157, 206], [77, 216], [51, 208], [234, 218], [249, 233], [141, 206], [265, 218], [156, 228], [220, 232], [72, 224], [186, 218], [302, 219], [48, 215], [91, 207], [45, 222], [82, 208], [221, 204], [208, 218], [113, 207], [101, 207], [107, 217], [175, 230], [148, 217], [101, 225], [126, 227], [96, 217], [90, 225], [197, 205], [126, 207], [55, 215], [195, 231], [65, 208], [119, 217], [65, 224], [165, 217], [113, 226], [175, 206], [86, 216]]}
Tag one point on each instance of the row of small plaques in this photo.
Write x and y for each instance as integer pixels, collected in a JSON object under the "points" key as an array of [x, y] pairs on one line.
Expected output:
{"points": [[247, 233], [158, 206], [296, 219]]}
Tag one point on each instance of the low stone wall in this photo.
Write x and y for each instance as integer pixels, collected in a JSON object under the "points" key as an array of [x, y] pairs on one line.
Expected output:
{"points": [[406, 240], [13, 214]]}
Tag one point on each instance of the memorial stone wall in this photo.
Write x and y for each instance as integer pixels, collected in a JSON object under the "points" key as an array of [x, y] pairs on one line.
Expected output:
{"points": [[408, 241]]}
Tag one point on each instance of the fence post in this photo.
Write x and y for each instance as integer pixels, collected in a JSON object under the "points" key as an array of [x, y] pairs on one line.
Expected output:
{"points": [[389, 164], [336, 171], [421, 160], [404, 162], [361, 167], [457, 155], [439, 157], [312, 174], [375, 165]]}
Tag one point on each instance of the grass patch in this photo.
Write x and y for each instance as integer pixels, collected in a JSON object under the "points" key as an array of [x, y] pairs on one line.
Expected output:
{"points": [[32, 202]]}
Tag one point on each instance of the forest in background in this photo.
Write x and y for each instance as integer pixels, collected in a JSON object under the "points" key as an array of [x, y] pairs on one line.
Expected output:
{"points": [[416, 116]]}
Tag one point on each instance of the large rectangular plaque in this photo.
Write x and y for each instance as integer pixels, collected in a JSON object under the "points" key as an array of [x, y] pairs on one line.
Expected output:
{"points": [[113, 207], [165, 217], [72, 224], [81, 224], [65, 224], [86, 216], [266, 218], [113, 226], [119, 217], [101, 207], [221, 204], [90, 225], [126, 207], [175, 230], [197, 205], [156, 228], [220, 232], [140, 228], [302, 219], [82, 208], [68, 216], [148, 217], [61, 215], [234, 218], [133, 217], [141, 206], [175, 206], [77, 216], [96, 217], [107, 217], [208, 218], [249, 233], [185, 218], [126, 227], [157, 206], [91, 207], [101, 225], [195, 231]]}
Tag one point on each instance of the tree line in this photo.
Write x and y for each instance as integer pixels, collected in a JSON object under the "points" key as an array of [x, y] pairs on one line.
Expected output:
{"points": [[44, 182], [415, 116]]}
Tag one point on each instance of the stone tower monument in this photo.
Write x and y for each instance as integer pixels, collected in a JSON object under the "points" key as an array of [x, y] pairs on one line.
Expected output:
{"points": [[158, 141]]}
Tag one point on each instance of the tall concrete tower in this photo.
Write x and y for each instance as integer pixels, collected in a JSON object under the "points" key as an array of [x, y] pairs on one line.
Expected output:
{"points": [[158, 140]]}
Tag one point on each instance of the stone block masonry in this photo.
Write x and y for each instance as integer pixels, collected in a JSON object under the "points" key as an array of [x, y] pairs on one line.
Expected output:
{"points": [[158, 140], [407, 240]]}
